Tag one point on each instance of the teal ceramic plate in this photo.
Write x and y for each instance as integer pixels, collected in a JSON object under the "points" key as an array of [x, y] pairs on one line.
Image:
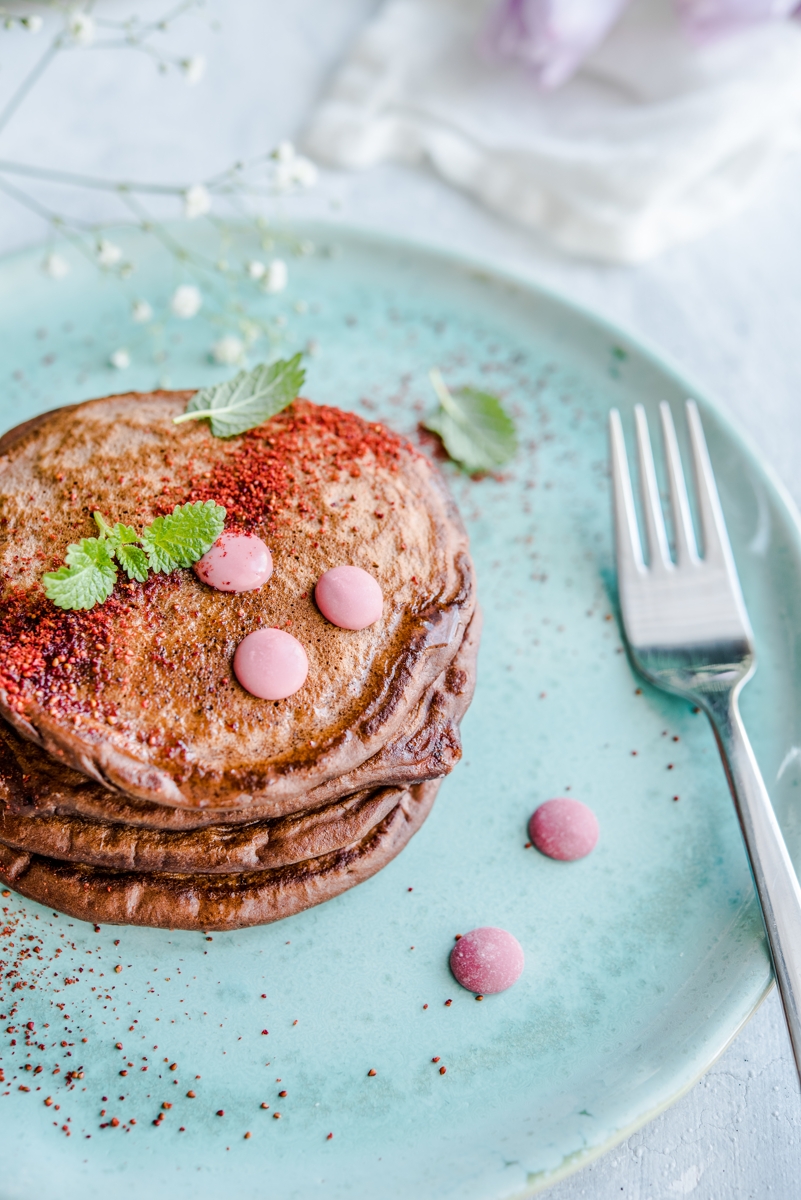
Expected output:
{"points": [[642, 961]]}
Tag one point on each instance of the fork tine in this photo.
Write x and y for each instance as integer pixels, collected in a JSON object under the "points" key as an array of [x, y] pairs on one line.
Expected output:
{"points": [[627, 535], [652, 505], [686, 549], [713, 526]]}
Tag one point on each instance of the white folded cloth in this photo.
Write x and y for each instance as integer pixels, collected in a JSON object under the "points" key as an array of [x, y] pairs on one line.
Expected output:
{"points": [[654, 142]]}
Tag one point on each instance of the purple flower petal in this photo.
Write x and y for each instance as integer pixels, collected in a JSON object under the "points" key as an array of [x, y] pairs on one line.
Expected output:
{"points": [[552, 37], [709, 18]]}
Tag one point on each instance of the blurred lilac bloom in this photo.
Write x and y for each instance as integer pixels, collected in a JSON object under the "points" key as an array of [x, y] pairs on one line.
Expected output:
{"points": [[708, 18], [552, 37]]}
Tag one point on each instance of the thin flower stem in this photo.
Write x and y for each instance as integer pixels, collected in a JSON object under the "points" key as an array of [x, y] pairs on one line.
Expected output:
{"points": [[52, 219], [88, 181], [179, 252], [30, 79]]}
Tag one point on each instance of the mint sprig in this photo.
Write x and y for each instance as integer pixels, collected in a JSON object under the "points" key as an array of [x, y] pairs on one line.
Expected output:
{"points": [[88, 577], [184, 536], [248, 399], [177, 540], [474, 428]]}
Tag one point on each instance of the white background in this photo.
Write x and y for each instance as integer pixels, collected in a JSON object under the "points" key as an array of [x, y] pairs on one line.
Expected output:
{"points": [[727, 308]]}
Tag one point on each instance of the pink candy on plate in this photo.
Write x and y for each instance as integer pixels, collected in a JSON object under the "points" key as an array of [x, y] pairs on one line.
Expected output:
{"points": [[487, 960], [237, 562], [564, 829], [349, 597], [271, 664]]}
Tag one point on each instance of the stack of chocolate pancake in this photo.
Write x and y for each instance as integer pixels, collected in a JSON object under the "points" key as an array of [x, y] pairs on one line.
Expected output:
{"points": [[139, 782]]}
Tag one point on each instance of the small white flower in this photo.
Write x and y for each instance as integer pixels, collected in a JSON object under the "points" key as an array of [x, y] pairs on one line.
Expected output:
{"points": [[81, 28], [276, 276], [120, 359], [107, 253], [197, 201], [284, 152], [296, 172], [304, 172], [186, 301], [283, 177], [229, 350], [33, 24], [256, 269], [56, 266], [141, 312], [194, 69]]}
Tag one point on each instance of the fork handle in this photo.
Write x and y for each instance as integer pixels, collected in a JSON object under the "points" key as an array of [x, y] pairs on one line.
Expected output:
{"points": [[774, 876]]}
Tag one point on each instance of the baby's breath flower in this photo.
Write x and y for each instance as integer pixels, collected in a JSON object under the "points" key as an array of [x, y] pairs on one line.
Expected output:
{"points": [[276, 276], [120, 359], [256, 269], [294, 172], [141, 312], [250, 331], [33, 23], [56, 266], [186, 301], [107, 253], [229, 350], [284, 152], [197, 201], [305, 172], [194, 69], [81, 28]]}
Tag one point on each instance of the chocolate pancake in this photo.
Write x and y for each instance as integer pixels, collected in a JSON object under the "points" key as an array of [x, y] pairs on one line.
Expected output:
{"points": [[34, 786], [216, 850], [175, 901], [138, 693]]}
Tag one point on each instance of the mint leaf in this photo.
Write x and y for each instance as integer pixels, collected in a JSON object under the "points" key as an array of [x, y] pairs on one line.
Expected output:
{"points": [[87, 579], [248, 399], [475, 430], [184, 536], [118, 535], [133, 561]]}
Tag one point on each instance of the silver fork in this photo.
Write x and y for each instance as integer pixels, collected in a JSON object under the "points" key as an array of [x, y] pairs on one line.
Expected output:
{"points": [[688, 632]]}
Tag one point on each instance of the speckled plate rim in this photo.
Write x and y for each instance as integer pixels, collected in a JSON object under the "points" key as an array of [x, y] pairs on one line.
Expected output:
{"points": [[664, 363]]}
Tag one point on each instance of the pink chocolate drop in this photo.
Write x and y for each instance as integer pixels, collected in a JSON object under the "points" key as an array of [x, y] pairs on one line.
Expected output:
{"points": [[271, 664], [487, 960], [349, 597], [564, 829], [237, 562]]}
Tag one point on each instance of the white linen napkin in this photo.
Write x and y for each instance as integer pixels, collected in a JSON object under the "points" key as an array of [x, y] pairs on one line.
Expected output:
{"points": [[654, 142]]}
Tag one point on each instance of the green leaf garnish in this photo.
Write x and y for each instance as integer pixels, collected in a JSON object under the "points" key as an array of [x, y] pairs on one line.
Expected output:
{"points": [[133, 561], [475, 430], [184, 536], [118, 535], [248, 399], [87, 579], [177, 540]]}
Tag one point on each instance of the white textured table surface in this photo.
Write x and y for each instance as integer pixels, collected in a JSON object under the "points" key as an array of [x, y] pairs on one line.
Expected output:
{"points": [[728, 309]]}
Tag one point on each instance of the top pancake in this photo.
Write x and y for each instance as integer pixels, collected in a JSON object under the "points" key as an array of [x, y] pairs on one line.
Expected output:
{"points": [[139, 693]]}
